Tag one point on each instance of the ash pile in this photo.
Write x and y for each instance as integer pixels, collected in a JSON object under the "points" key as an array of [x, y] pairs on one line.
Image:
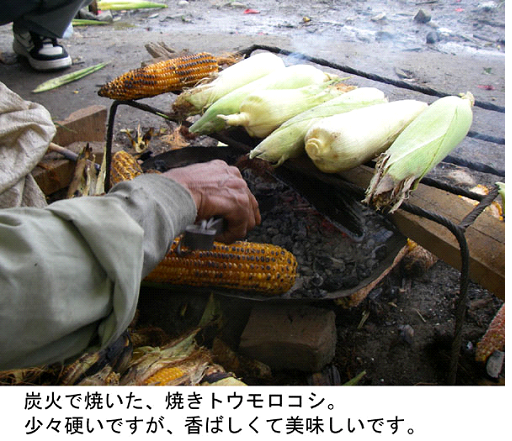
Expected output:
{"points": [[336, 256]]}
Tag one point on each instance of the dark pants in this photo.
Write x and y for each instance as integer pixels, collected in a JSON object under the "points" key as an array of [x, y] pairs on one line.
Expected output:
{"points": [[49, 18]]}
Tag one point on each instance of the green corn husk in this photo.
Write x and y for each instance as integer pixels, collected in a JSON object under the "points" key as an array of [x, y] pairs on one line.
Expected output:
{"points": [[123, 5], [287, 141], [418, 149], [344, 141], [290, 77], [67, 78], [263, 111], [197, 99], [86, 22]]}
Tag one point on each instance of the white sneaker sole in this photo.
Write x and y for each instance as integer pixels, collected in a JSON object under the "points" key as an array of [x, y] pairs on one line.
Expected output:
{"points": [[42, 65]]}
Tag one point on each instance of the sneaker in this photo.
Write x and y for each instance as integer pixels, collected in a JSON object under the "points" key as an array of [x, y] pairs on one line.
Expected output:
{"points": [[43, 53]]}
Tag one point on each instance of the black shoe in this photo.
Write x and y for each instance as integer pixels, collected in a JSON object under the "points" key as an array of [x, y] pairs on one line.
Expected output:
{"points": [[43, 53]]}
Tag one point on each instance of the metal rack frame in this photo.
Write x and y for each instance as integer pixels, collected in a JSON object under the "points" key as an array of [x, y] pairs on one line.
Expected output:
{"points": [[458, 230]]}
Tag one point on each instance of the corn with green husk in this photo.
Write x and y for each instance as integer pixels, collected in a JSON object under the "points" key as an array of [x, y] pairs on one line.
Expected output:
{"points": [[287, 141], [291, 77], [196, 99], [262, 111], [344, 141], [419, 148]]}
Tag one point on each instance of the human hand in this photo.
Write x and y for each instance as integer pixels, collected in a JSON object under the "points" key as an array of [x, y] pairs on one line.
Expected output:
{"points": [[219, 190]]}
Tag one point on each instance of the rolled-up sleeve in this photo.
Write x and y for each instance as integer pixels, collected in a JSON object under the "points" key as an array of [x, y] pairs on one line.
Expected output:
{"points": [[70, 273]]}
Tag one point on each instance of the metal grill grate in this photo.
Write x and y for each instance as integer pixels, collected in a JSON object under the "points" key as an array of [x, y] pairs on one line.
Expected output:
{"points": [[458, 230]]}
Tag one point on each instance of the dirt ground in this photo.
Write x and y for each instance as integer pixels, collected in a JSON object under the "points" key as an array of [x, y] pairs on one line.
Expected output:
{"points": [[461, 48]]}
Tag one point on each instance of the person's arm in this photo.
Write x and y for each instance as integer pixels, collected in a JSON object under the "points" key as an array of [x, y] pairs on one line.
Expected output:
{"points": [[70, 273], [162, 207]]}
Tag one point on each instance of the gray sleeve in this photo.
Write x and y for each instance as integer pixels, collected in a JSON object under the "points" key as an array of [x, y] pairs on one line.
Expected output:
{"points": [[163, 208], [70, 273]]}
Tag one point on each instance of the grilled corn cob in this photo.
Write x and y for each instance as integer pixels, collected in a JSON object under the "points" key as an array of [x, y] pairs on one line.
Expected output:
{"points": [[165, 76], [124, 167], [494, 337], [242, 265], [264, 268]]}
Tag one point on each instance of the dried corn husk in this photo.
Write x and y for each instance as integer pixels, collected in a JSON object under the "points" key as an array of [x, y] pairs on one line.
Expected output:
{"points": [[196, 99], [287, 141], [114, 358], [418, 149], [262, 111], [344, 141], [290, 77], [106, 377], [147, 361]]}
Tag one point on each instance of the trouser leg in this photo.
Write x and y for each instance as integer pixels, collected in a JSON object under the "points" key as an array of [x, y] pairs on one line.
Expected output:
{"points": [[11, 10], [51, 18]]}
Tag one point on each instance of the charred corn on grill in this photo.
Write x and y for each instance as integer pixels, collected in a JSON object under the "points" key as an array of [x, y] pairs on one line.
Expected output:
{"points": [[165, 76], [247, 266]]}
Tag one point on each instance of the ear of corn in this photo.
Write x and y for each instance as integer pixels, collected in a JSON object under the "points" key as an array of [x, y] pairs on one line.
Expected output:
{"points": [[242, 265], [262, 111], [124, 167], [494, 337], [263, 268], [290, 77], [147, 361], [165, 376], [346, 140], [165, 76], [196, 99], [418, 149], [287, 141]]}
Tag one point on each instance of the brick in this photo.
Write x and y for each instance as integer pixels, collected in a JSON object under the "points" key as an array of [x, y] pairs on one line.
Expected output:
{"points": [[87, 124], [290, 337]]}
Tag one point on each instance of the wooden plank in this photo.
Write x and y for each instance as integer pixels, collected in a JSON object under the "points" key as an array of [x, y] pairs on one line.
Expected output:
{"points": [[53, 175], [485, 237], [87, 124], [84, 125]]}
